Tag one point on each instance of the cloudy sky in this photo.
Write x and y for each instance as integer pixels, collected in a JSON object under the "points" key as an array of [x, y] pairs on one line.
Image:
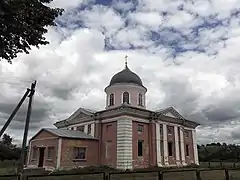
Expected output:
{"points": [[186, 52]]}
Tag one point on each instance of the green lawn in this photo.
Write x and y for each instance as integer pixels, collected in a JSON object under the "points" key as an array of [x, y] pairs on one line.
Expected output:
{"points": [[8, 167]]}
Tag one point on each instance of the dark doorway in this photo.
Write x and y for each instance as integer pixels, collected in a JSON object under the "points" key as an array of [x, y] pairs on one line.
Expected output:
{"points": [[41, 156]]}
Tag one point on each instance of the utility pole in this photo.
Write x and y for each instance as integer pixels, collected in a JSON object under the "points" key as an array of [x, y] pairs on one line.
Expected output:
{"points": [[23, 152], [14, 112]]}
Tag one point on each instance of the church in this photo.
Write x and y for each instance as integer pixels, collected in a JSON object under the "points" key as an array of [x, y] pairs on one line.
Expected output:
{"points": [[125, 135]]}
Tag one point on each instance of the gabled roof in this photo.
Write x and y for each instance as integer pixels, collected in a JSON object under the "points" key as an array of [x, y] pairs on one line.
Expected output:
{"points": [[171, 110], [78, 112], [65, 133]]}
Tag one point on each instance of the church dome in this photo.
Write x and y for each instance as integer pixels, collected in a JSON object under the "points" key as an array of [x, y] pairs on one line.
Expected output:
{"points": [[126, 76]]}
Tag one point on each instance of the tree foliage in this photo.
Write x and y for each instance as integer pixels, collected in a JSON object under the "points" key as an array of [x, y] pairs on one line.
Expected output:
{"points": [[23, 24], [219, 152], [8, 151]]}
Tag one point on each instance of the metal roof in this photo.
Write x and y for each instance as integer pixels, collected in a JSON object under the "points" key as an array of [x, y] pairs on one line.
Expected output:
{"points": [[65, 133]]}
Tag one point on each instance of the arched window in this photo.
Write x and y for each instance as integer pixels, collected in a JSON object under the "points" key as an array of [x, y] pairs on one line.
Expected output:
{"points": [[111, 100], [140, 100], [126, 97]]}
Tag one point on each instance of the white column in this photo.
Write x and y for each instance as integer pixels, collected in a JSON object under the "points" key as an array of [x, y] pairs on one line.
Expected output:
{"points": [[59, 153], [182, 146], [86, 128], [124, 143], [165, 144], [177, 145], [158, 144], [92, 129], [195, 150]]}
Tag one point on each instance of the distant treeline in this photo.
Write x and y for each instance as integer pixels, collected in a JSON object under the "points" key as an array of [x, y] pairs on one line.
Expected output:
{"points": [[219, 152]]}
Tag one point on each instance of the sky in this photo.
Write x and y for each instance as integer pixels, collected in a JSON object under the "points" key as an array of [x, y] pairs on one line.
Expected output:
{"points": [[185, 51]]}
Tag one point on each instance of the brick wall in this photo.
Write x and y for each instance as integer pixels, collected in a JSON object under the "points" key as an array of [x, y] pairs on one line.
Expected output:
{"points": [[67, 153]]}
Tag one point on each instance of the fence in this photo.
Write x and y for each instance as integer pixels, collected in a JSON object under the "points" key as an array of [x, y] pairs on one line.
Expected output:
{"points": [[196, 174]]}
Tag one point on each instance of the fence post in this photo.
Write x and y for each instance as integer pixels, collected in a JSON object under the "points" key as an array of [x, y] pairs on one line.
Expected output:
{"points": [[106, 176], [209, 164], [234, 165], [198, 175], [227, 174], [160, 175]]}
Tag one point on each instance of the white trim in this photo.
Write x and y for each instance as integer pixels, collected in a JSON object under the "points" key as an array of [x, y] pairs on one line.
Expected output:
{"points": [[59, 153], [93, 129], [124, 85], [182, 146], [29, 152], [42, 139], [158, 144], [177, 145], [195, 150], [165, 144]]}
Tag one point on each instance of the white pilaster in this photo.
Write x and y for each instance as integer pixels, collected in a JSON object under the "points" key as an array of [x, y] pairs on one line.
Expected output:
{"points": [[182, 146], [165, 145], [92, 129], [124, 143], [195, 150], [158, 144], [177, 145], [86, 128], [59, 153]]}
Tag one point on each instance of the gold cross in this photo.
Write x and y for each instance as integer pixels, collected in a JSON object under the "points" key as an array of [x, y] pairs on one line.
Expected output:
{"points": [[126, 60]]}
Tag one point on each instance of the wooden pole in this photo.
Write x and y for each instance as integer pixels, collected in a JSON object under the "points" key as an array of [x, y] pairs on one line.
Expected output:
{"points": [[23, 152]]}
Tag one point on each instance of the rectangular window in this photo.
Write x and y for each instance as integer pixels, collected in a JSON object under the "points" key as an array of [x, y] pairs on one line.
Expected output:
{"points": [[187, 150], [80, 128], [50, 152], [109, 127], [169, 130], [170, 148], [34, 153], [79, 153], [140, 148], [89, 129], [140, 128]]}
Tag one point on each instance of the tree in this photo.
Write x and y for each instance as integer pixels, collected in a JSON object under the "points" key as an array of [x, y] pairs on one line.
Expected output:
{"points": [[23, 24], [7, 140]]}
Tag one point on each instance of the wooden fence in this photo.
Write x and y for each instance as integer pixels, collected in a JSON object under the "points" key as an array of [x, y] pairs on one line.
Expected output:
{"points": [[137, 175]]}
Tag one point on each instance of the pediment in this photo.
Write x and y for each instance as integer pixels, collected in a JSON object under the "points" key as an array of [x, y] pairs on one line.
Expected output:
{"points": [[171, 112], [80, 114]]}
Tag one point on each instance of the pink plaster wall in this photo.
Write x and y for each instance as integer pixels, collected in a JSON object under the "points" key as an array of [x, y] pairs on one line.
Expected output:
{"points": [[118, 90]]}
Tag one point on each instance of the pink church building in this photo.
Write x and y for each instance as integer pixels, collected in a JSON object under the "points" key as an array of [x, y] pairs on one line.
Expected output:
{"points": [[125, 135]]}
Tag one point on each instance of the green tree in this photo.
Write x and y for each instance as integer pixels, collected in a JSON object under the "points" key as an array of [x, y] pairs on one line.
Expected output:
{"points": [[23, 24], [7, 140]]}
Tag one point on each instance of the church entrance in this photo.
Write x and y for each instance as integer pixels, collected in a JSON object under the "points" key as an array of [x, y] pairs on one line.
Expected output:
{"points": [[41, 156]]}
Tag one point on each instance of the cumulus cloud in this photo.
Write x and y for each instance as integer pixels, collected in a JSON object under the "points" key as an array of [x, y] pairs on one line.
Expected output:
{"points": [[186, 53]]}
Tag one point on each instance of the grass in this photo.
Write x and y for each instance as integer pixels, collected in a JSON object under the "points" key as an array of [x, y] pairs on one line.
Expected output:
{"points": [[8, 168]]}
